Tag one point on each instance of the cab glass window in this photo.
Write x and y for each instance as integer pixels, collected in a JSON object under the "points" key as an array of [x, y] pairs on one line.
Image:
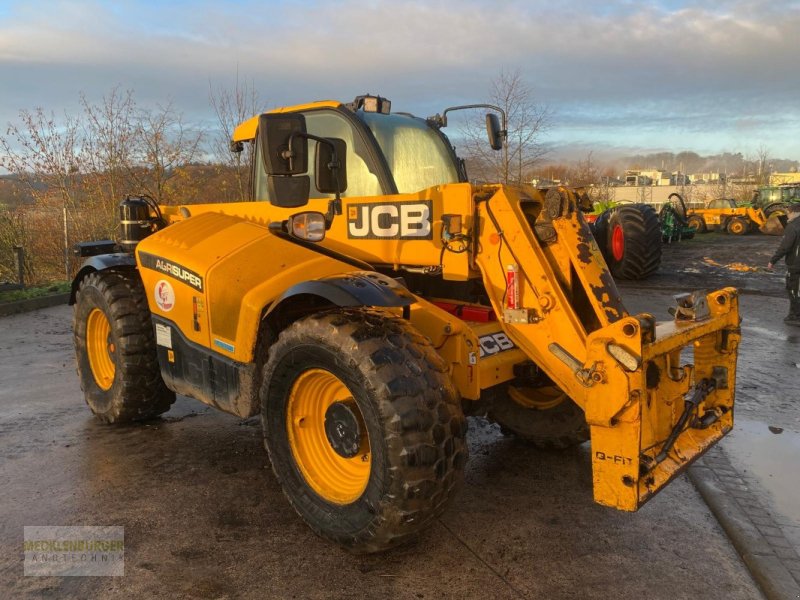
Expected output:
{"points": [[361, 179], [417, 155]]}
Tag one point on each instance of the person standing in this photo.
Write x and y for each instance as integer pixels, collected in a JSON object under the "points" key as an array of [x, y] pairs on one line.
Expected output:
{"points": [[790, 248]]}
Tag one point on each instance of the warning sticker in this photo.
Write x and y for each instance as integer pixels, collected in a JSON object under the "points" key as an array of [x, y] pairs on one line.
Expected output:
{"points": [[164, 295], [163, 335]]}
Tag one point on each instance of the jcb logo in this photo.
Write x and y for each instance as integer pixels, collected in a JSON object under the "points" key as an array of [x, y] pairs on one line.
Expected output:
{"points": [[396, 220], [494, 343]]}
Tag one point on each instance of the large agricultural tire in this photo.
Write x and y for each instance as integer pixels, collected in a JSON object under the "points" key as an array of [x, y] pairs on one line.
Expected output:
{"points": [[697, 223], [363, 427], [773, 213], [544, 417], [632, 246], [737, 226], [778, 208], [115, 349]]}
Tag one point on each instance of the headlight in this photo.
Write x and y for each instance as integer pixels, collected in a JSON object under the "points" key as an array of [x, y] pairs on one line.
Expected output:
{"points": [[309, 226]]}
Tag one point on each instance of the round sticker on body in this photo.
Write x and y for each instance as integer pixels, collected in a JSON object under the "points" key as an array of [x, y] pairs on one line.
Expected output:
{"points": [[164, 295]]}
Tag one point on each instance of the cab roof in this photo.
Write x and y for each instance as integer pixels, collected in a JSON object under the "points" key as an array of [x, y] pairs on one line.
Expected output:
{"points": [[246, 131]]}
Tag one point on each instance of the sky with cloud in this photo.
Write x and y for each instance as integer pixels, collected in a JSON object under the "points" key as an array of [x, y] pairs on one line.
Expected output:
{"points": [[707, 76]]}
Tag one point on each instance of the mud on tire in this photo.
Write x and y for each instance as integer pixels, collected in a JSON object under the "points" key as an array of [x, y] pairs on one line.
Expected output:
{"points": [[115, 349], [414, 427]]}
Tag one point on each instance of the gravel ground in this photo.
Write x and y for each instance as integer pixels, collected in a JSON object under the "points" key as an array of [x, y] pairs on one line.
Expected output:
{"points": [[204, 517]]}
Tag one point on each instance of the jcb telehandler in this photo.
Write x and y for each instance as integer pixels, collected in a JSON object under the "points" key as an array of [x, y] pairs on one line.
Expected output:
{"points": [[369, 297], [724, 215]]}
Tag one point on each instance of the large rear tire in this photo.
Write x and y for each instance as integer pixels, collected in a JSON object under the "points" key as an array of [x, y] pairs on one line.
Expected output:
{"points": [[775, 208], [363, 427], [632, 247], [116, 350], [542, 416], [773, 214]]}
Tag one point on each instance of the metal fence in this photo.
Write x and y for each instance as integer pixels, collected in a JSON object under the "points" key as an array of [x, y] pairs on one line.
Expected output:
{"points": [[47, 235]]}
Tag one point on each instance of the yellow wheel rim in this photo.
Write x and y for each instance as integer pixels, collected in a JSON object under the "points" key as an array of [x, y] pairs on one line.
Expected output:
{"points": [[737, 227], [540, 398], [335, 478], [101, 349]]}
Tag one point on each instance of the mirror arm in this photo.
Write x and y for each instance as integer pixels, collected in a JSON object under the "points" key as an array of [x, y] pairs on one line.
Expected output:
{"points": [[335, 205], [334, 208], [330, 214], [289, 153], [441, 120], [278, 226]]}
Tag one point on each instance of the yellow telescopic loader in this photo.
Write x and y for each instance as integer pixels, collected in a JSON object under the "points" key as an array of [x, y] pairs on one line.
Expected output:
{"points": [[369, 297], [724, 215]]}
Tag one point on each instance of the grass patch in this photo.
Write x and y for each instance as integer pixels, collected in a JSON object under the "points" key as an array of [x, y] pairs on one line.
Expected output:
{"points": [[34, 292]]}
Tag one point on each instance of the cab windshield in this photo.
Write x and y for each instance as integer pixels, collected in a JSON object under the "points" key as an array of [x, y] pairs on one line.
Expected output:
{"points": [[417, 155]]}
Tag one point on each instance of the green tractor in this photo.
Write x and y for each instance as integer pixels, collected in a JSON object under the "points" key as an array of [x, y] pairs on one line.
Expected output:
{"points": [[674, 220], [773, 200]]}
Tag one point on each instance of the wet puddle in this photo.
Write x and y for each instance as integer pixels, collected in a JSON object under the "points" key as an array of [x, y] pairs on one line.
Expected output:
{"points": [[765, 332], [769, 453]]}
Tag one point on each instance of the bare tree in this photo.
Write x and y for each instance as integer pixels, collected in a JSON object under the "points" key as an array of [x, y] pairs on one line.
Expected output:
{"points": [[586, 172], [232, 107], [763, 167], [163, 144], [45, 155], [526, 123], [75, 170], [108, 148], [596, 181]]}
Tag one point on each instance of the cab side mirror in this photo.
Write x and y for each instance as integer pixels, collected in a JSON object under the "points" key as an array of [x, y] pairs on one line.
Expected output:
{"points": [[284, 151], [494, 131], [330, 173]]}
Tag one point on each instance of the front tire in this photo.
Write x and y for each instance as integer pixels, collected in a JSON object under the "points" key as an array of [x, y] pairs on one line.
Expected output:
{"points": [[116, 351], [737, 226], [363, 427]]}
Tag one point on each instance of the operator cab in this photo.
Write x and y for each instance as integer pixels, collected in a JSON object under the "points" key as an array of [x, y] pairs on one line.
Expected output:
{"points": [[384, 153], [722, 203], [360, 150]]}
